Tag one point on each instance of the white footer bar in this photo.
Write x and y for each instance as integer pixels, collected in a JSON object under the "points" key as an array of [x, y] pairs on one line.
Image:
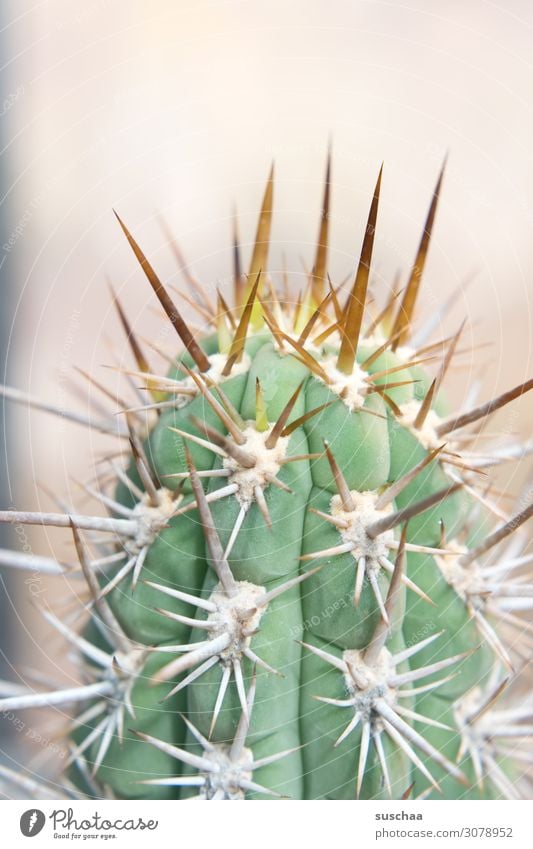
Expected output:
{"points": [[327, 825]]}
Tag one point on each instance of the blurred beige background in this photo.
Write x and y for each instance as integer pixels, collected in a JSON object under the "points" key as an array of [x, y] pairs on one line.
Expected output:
{"points": [[179, 108]]}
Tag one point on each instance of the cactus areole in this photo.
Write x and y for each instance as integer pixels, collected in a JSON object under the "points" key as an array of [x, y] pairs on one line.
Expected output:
{"points": [[299, 585]]}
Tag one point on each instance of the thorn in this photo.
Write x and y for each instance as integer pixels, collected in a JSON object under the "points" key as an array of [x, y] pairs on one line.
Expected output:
{"points": [[246, 709], [32, 562], [381, 632], [359, 578], [353, 318], [239, 340], [251, 655], [192, 676], [336, 305], [226, 311], [394, 369], [406, 310], [386, 386], [340, 481], [261, 503], [425, 688], [87, 648], [407, 513], [407, 793], [497, 536], [203, 312], [277, 429], [485, 409], [277, 308], [302, 419], [398, 680], [373, 581], [19, 397], [262, 237], [195, 601], [114, 630], [71, 695], [329, 552], [304, 335], [197, 762], [202, 624], [205, 652], [449, 356], [354, 722], [226, 403], [236, 528], [320, 263], [269, 759], [238, 279], [138, 355], [121, 527], [224, 681], [418, 717], [204, 742], [376, 736], [198, 441], [390, 403], [384, 317], [267, 597], [398, 486], [244, 458], [337, 662], [219, 563], [278, 483], [412, 650], [407, 731], [195, 287], [303, 355], [261, 418], [208, 473], [272, 324], [143, 468], [218, 409], [106, 392], [166, 302], [425, 406], [363, 755], [490, 700], [400, 741], [296, 458]]}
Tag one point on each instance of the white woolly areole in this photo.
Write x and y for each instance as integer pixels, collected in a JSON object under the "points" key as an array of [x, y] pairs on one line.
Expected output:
{"points": [[366, 682], [267, 464], [467, 581], [405, 353], [217, 363], [351, 388], [427, 434], [237, 616], [229, 775], [150, 519], [365, 514]]}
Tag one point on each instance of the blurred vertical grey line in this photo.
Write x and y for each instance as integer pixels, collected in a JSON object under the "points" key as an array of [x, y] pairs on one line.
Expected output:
{"points": [[7, 294]]}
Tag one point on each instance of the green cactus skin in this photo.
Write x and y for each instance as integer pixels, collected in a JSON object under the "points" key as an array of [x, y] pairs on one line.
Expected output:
{"points": [[298, 605]]}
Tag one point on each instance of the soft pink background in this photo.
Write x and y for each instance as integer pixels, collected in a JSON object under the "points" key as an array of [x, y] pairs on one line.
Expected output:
{"points": [[180, 107]]}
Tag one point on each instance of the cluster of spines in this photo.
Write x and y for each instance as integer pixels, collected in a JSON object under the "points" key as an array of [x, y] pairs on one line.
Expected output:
{"points": [[293, 329]]}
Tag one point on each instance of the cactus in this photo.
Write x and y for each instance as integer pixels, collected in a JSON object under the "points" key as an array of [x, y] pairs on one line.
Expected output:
{"points": [[301, 586]]}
